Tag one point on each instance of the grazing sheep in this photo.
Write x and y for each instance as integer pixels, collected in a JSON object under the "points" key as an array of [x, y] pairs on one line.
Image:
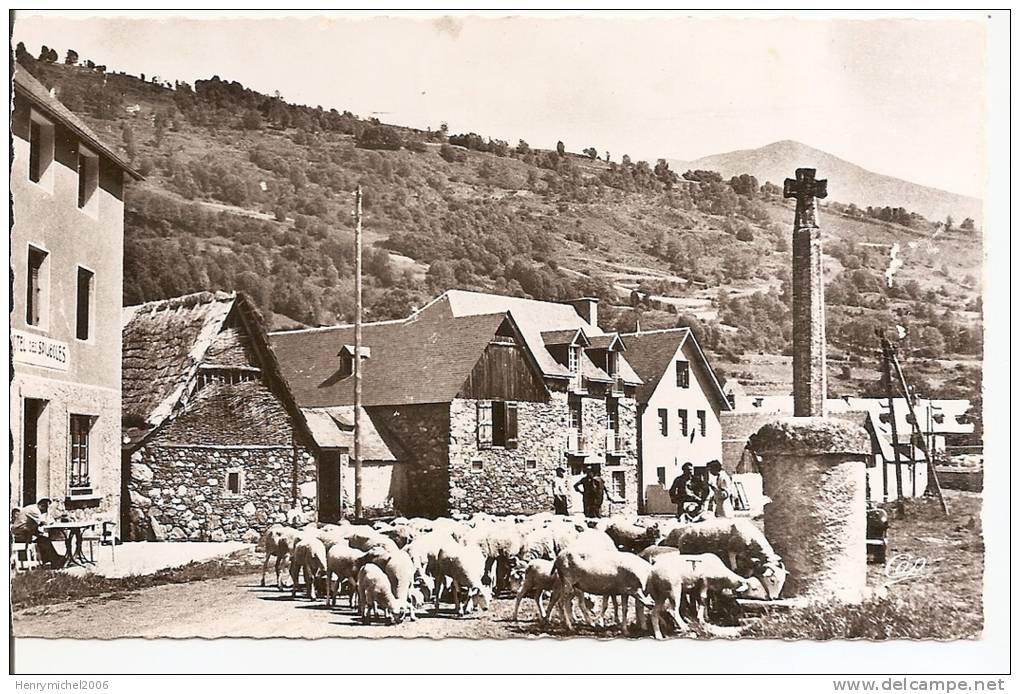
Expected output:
{"points": [[632, 538], [652, 554], [365, 538], [547, 541], [598, 571], [343, 562], [499, 542], [278, 541], [374, 593], [680, 581], [400, 534], [533, 579], [309, 560], [465, 566], [400, 571], [739, 543]]}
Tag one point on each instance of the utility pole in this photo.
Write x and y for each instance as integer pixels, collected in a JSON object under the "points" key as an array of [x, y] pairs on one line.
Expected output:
{"points": [[887, 377], [358, 511]]}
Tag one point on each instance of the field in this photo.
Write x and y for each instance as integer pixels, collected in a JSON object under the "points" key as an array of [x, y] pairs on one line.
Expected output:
{"points": [[938, 597]]}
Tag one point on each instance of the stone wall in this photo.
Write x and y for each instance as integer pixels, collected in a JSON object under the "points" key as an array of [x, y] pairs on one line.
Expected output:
{"points": [[500, 480], [180, 492], [424, 433]]}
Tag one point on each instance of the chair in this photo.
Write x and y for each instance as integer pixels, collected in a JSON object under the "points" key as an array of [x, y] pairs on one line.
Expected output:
{"points": [[104, 537], [23, 555]]}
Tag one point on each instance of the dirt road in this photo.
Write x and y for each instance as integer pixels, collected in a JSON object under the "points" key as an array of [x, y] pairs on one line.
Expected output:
{"points": [[237, 606]]}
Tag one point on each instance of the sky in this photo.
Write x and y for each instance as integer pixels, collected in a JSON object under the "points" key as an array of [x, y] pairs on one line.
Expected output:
{"points": [[903, 97]]}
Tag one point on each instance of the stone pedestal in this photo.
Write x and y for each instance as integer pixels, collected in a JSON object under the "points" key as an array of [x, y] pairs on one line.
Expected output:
{"points": [[813, 469]]}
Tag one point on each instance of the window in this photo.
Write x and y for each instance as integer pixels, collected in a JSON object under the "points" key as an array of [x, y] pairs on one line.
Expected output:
{"points": [[574, 407], [477, 465], [84, 323], [613, 413], [682, 414], [683, 374], [226, 375], [235, 482], [40, 151], [620, 484], [660, 475], [701, 422], [573, 358], [484, 424], [78, 477], [88, 181], [530, 464], [504, 424], [35, 301], [664, 422], [613, 364]]}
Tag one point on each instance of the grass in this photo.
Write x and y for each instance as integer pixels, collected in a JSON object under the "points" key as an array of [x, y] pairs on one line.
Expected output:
{"points": [[42, 587], [944, 601]]}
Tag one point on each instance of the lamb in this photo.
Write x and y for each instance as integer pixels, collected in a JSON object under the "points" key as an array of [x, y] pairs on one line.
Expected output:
{"points": [[499, 543], [679, 580], [309, 560], [533, 579], [465, 565], [736, 541], [599, 571], [400, 571], [342, 561], [632, 538], [374, 593], [278, 541]]}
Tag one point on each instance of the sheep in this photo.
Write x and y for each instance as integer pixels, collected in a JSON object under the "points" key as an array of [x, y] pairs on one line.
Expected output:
{"points": [[739, 543], [365, 538], [685, 579], [342, 561], [465, 566], [400, 534], [278, 541], [499, 542], [424, 552], [400, 571], [653, 553], [374, 593], [533, 579], [599, 571], [547, 541], [632, 538], [309, 560]]}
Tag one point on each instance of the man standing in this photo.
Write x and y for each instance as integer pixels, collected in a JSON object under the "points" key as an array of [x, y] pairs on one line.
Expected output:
{"points": [[721, 487], [29, 526], [593, 492], [560, 490], [684, 493]]}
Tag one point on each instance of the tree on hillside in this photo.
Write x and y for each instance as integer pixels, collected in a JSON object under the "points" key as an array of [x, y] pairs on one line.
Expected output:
{"points": [[560, 148], [379, 137], [592, 153], [72, 57], [967, 224], [523, 147], [745, 185], [251, 120], [949, 223]]}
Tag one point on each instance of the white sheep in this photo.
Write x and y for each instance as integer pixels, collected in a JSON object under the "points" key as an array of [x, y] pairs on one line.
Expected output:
{"points": [[499, 542], [533, 579], [465, 566], [308, 560], [681, 582], [374, 593], [597, 570], [342, 562], [400, 571], [278, 541]]}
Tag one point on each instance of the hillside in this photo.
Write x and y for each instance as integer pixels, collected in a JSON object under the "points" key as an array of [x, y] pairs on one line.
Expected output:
{"points": [[245, 191], [848, 183]]}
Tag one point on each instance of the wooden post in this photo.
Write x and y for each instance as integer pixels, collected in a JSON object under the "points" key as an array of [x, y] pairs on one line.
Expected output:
{"points": [[887, 376], [358, 511]]}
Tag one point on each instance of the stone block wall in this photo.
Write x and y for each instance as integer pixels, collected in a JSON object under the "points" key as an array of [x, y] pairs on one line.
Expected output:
{"points": [[180, 492], [424, 433]]}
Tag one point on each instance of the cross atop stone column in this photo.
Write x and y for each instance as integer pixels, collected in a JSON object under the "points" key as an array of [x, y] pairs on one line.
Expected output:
{"points": [[809, 387]]}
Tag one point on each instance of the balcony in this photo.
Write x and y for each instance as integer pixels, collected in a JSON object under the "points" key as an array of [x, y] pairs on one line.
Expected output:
{"points": [[615, 443], [577, 443]]}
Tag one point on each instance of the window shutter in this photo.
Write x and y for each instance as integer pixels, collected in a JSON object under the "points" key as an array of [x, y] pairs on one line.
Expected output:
{"points": [[511, 425], [484, 424]]}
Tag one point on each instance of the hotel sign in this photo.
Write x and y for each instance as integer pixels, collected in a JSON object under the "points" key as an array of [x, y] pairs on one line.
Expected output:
{"points": [[39, 351]]}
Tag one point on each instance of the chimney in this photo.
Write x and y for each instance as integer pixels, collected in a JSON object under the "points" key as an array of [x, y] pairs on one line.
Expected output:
{"points": [[588, 308]]}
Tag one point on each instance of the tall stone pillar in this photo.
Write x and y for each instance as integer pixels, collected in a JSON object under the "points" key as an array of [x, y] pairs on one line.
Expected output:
{"points": [[808, 296], [813, 469]]}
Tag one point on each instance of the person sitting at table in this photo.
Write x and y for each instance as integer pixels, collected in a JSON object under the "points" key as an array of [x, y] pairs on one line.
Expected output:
{"points": [[29, 526]]}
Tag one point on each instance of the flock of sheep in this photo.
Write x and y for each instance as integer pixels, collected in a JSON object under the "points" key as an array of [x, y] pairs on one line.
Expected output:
{"points": [[394, 568]]}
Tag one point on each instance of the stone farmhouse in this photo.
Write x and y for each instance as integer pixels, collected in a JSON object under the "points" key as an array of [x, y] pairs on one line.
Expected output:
{"points": [[485, 395], [66, 263], [679, 406], [214, 447]]}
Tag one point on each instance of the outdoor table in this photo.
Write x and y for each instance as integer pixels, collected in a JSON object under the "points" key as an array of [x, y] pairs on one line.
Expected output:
{"points": [[73, 531]]}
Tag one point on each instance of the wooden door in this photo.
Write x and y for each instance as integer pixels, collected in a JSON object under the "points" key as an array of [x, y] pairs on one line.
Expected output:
{"points": [[328, 486]]}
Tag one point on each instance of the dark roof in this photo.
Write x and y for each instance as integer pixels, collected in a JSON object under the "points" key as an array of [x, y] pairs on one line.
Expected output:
{"points": [[564, 337], [650, 353], [606, 341], [165, 343], [29, 87], [425, 359]]}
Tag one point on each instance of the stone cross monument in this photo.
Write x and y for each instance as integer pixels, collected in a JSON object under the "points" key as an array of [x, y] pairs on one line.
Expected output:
{"points": [[808, 297]]}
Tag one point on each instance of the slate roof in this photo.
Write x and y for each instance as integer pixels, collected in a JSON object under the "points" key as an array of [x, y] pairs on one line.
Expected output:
{"points": [[533, 318], [29, 87], [164, 344], [333, 427], [650, 354], [424, 359]]}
